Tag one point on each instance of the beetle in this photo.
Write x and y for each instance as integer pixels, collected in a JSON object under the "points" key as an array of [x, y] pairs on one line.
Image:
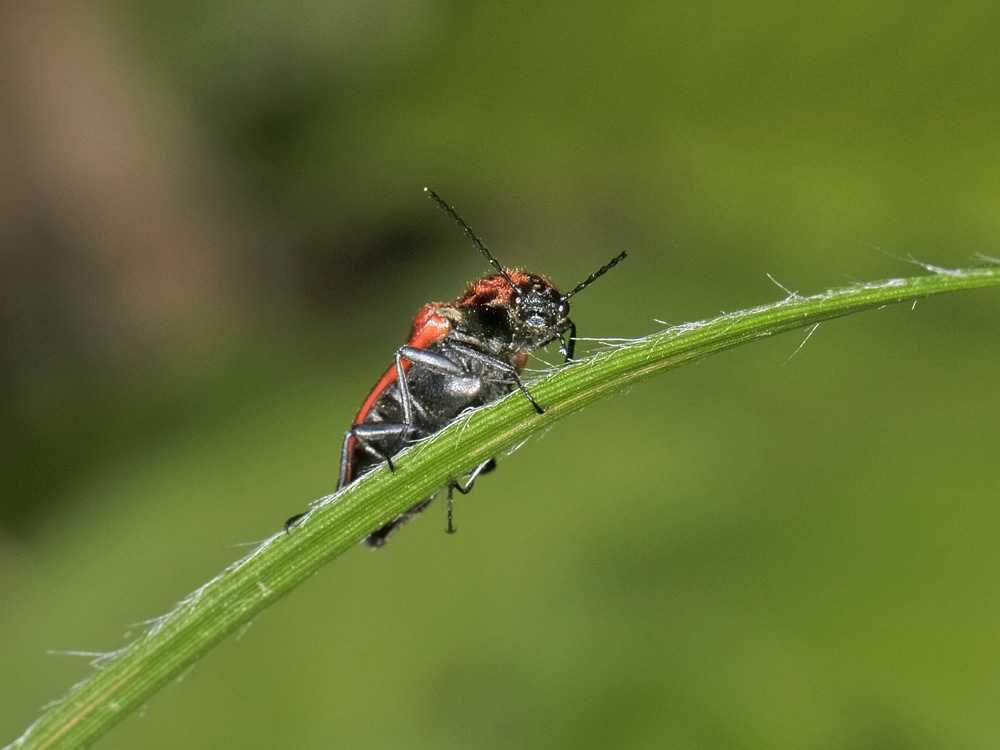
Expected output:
{"points": [[459, 355]]}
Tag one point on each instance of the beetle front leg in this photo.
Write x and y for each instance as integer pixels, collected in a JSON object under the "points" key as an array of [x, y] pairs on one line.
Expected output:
{"points": [[570, 346]]}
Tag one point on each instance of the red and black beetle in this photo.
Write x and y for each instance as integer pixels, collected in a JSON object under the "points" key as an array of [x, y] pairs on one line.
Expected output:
{"points": [[459, 355]]}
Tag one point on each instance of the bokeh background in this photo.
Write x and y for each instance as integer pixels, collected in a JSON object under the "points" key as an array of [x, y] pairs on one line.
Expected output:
{"points": [[213, 236]]}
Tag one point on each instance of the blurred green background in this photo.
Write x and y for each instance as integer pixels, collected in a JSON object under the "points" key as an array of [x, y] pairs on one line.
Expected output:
{"points": [[213, 236]]}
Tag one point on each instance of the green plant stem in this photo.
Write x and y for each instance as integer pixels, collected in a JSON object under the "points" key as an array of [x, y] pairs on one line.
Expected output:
{"points": [[124, 680]]}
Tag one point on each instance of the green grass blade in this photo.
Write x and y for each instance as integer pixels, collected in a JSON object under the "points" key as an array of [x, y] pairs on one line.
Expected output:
{"points": [[125, 680]]}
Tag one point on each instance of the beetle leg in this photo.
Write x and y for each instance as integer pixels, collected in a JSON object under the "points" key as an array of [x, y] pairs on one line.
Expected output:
{"points": [[422, 358], [484, 468], [427, 360], [405, 399], [570, 346], [364, 434], [430, 360], [503, 367], [361, 434]]}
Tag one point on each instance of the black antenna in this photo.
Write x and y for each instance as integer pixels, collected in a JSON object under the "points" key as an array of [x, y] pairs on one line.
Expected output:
{"points": [[598, 273], [472, 235]]}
